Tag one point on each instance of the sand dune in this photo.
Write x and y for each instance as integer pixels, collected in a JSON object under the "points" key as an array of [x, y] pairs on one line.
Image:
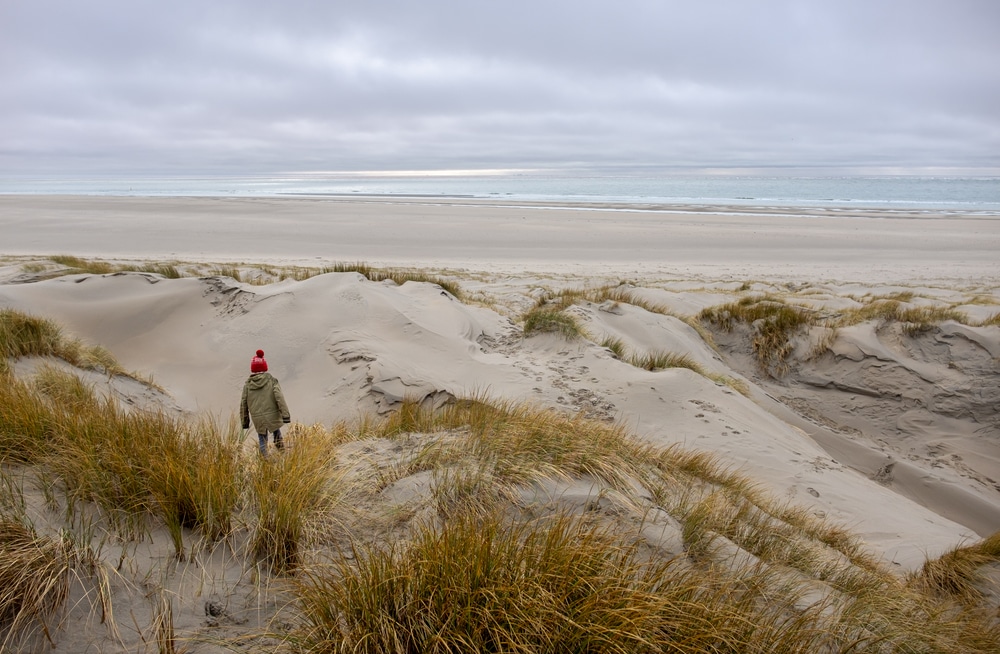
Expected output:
{"points": [[893, 434], [342, 345]]}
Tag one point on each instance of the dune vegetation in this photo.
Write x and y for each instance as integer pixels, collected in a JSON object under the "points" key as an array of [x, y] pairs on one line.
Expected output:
{"points": [[535, 531], [64, 264], [772, 322]]}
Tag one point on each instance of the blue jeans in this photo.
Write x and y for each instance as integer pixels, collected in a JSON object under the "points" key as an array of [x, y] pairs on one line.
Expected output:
{"points": [[263, 441]]}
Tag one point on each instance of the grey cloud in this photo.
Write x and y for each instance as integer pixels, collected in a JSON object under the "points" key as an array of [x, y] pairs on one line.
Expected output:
{"points": [[230, 86]]}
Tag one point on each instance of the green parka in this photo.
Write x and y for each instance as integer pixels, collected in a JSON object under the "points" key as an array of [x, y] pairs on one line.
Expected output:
{"points": [[264, 403]]}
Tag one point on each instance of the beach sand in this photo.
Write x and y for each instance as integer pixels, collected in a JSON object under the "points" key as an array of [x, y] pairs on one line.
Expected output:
{"points": [[894, 434]]}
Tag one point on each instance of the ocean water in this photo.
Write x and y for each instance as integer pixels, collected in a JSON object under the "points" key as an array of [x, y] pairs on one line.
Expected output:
{"points": [[971, 195]]}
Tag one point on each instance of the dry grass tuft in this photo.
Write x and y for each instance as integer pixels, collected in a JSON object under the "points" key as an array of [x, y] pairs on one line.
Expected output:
{"points": [[773, 323], [662, 360], [35, 574], [228, 271], [398, 276], [482, 583], [294, 492], [23, 335], [992, 321], [77, 265], [916, 319], [958, 573], [544, 319]]}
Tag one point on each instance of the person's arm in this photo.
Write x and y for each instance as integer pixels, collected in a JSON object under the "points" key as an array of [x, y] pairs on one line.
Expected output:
{"points": [[279, 398], [245, 409]]}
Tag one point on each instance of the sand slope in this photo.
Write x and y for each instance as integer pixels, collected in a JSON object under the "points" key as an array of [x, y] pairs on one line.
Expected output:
{"points": [[342, 345]]}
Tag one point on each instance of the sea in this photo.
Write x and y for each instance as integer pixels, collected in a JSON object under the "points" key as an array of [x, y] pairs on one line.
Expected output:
{"points": [[960, 195]]}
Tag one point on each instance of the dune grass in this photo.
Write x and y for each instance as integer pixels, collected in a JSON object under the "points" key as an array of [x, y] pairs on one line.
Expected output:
{"points": [[76, 265], [484, 577], [480, 583], [230, 271], [774, 322], [489, 572], [35, 575], [376, 274], [662, 360], [992, 321], [549, 315], [253, 274], [957, 574], [552, 320], [129, 464], [23, 335], [167, 270], [916, 319], [294, 493], [616, 345]]}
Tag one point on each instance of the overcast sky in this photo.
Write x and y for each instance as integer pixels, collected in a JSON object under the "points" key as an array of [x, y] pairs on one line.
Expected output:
{"points": [[241, 87]]}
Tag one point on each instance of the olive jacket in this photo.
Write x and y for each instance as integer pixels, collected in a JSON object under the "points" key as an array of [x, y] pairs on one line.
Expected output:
{"points": [[264, 403]]}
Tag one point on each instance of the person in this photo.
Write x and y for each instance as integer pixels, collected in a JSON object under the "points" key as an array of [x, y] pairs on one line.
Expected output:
{"points": [[264, 403]]}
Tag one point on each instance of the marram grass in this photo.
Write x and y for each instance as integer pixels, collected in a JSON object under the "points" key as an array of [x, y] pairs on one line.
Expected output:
{"points": [[23, 335], [480, 583], [376, 274], [35, 575], [483, 582], [545, 319], [295, 493], [773, 322]]}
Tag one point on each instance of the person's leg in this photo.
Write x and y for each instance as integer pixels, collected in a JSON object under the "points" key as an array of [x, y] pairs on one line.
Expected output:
{"points": [[262, 438], [278, 443]]}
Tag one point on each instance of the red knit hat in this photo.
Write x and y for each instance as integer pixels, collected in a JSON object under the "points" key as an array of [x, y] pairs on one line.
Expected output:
{"points": [[257, 364]]}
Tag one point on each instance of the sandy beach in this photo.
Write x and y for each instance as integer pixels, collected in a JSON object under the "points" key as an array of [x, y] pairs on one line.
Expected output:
{"points": [[779, 243], [890, 430]]}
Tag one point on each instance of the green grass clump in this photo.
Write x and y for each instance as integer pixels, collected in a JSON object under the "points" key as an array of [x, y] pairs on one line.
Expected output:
{"points": [[547, 320], [27, 423], [616, 345], [195, 479], [78, 265], [662, 360], [773, 323], [63, 387], [129, 464]]}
